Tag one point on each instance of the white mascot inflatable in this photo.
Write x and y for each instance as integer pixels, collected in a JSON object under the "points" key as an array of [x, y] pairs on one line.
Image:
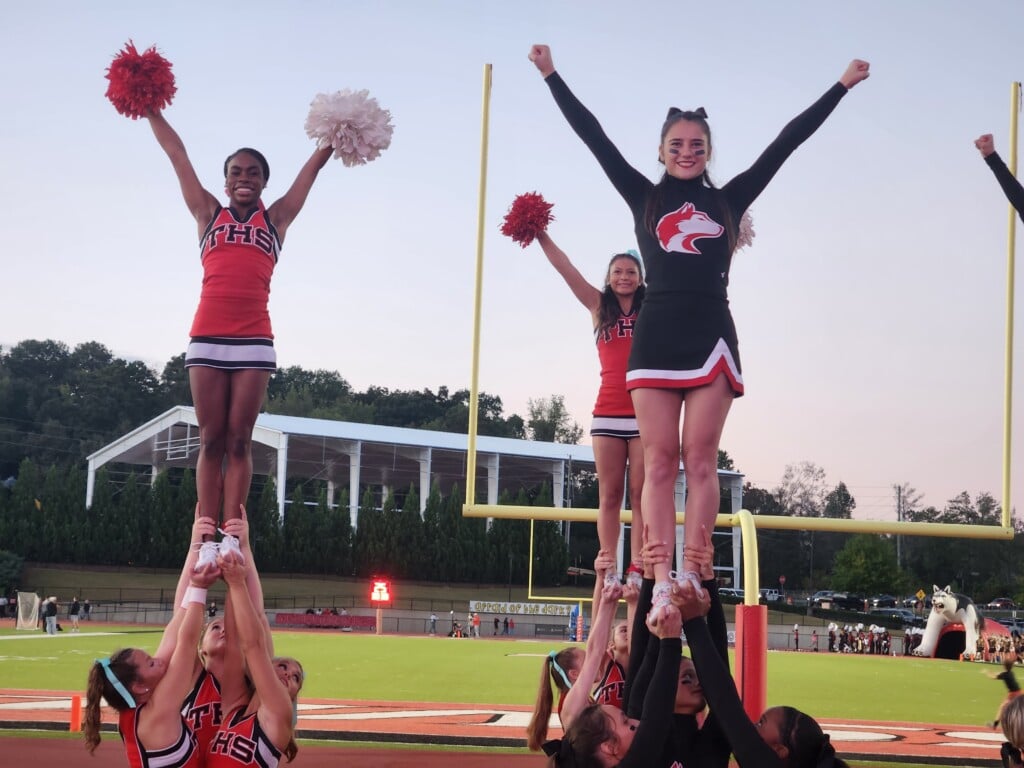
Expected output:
{"points": [[951, 608]]}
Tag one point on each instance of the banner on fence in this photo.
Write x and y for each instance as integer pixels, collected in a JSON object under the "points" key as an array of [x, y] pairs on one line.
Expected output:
{"points": [[520, 609]]}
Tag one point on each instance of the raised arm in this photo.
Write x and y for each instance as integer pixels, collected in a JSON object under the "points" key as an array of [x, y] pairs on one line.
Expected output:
{"points": [[283, 211], [201, 526], [587, 294], [275, 712], [162, 721], [745, 187], [1011, 186], [718, 686], [703, 553], [629, 182], [201, 204], [604, 604]]}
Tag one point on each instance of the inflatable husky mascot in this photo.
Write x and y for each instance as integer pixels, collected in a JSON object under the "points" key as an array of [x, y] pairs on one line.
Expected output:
{"points": [[950, 608]]}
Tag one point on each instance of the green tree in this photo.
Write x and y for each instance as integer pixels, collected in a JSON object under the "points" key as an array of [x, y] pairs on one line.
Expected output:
{"points": [[550, 422], [867, 564]]}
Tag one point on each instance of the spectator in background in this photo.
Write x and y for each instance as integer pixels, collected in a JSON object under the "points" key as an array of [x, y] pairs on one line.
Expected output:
{"points": [[433, 623], [50, 615], [504, 626], [496, 622], [73, 612], [512, 626], [476, 625], [212, 610], [86, 610], [814, 640]]}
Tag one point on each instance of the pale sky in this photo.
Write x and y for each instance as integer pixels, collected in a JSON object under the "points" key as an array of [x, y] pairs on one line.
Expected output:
{"points": [[870, 309]]}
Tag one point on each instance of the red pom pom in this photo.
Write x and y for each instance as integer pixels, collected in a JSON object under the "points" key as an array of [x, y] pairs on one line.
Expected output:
{"points": [[139, 82], [528, 215]]}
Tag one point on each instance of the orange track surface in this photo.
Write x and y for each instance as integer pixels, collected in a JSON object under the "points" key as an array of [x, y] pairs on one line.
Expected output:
{"points": [[469, 725]]}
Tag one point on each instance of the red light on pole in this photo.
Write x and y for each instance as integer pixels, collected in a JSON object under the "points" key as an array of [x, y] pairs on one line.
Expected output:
{"points": [[381, 592]]}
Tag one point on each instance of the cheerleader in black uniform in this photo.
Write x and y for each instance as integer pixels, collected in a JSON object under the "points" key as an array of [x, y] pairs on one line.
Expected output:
{"points": [[684, 341], [783, 737], [1013, 189]]}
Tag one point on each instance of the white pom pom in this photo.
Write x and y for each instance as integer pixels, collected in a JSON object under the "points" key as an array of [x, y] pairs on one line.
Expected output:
{"points": [[352, 123], [745, 235]]}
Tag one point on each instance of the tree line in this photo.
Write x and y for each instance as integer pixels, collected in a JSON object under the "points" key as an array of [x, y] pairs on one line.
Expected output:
{"points": [[59, 404]]}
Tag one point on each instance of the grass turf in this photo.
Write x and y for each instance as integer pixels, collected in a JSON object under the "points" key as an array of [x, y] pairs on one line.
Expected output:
{"points": [[503, 672]]}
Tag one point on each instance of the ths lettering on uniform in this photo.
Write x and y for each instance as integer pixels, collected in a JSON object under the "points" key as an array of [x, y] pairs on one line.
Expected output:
{"points": [[235, 745], [203, 715], [623, 328], [240, 234]]}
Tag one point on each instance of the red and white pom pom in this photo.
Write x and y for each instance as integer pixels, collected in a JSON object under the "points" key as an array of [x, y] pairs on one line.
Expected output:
{"points": [[140, 82], [745, 234], [528, 216], [352, 123]]}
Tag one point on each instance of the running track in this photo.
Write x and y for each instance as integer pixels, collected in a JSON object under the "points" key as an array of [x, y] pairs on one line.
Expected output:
{"points": [[470, 725]]}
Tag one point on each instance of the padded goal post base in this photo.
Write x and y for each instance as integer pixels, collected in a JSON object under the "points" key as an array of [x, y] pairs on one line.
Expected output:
{"points": [[752, 658]]}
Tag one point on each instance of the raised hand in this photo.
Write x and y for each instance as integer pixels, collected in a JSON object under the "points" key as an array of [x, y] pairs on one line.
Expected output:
{"points": [[668, 623], [604, 563], [540, 55], [857, 70], [203, 527], [691, 605], [985, 144], [239, 527]]}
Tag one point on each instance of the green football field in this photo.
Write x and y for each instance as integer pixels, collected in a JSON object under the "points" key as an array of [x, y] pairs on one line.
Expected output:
{"points": [[507, 671]]}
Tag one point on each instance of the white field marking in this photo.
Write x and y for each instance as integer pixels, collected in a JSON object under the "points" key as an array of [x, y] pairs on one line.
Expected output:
{"points": [[874, 726], [993, 736], [62, 704], [968, 745]]}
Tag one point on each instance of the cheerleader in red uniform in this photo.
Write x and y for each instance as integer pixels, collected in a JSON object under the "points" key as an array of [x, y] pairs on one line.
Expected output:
{"points": [[231, 353], [260, 729], [614, 434], [147, 691]]}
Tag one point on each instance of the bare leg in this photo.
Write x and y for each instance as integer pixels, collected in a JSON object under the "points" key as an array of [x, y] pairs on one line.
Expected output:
{"points": [[657, 414], [248, 388], [636, 487], [610, 461], [210, 392], [703, 421]]}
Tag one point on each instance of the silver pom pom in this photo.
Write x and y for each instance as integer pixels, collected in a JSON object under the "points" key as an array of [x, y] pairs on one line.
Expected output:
{"points": [[745, 236], [352, 123]]}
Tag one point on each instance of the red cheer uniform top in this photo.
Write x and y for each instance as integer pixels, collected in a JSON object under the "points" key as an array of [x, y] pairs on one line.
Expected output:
{"points": [[613, 351], [182, 754], [238, 258], [241, 742], [202, 709]]}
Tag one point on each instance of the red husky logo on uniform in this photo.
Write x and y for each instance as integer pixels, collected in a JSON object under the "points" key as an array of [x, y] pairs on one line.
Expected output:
{"points": [[678, 230]]}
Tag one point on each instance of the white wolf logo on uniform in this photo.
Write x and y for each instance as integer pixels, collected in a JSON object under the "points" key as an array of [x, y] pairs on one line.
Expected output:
{"points": [[677, 230], [949, 608]]}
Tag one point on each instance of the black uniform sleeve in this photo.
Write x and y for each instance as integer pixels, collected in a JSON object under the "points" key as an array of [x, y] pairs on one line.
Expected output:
{"points": [[638, 640], [712, 747], [716, 621], [750, 749], [629, 182], [745, 188], [649, 741], [1011, 187]]}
